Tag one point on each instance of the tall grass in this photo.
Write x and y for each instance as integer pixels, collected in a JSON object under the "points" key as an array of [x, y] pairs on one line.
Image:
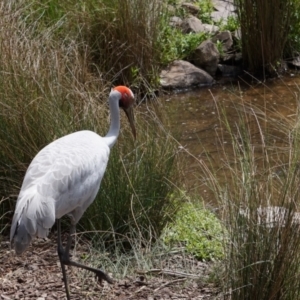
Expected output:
{"points": [[122, 36], [258, 202], [265, 27], [48, 89], [137, 187]]}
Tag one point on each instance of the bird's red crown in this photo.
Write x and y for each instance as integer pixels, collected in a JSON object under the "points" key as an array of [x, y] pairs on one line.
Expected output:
{"points": [[127, 95]]}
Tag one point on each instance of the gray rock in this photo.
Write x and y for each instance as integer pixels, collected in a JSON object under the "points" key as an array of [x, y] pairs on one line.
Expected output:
{"points": [[190, 8], [221, 5], [224, 9], [296, 62], [208, 28], [182, 74], [192, 24], [175, 21], [230, 71], [225, 37], [206, 56], [238, 34], [218, 16], [271, 216]]}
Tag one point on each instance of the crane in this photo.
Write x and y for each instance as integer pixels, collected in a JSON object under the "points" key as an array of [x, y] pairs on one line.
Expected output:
{"points": [[64, 179]]}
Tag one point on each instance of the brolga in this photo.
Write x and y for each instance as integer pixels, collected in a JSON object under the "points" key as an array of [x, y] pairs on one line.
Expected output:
{"points": [[64, 179]]}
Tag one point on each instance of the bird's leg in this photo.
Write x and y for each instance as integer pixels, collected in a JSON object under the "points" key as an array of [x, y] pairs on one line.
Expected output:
{"points": [[99, 273], [65, 260], [61, 254]]}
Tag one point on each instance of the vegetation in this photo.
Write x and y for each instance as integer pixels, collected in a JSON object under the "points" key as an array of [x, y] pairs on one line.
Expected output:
{"points": [[273, 21], [256, 185], [58, 61], [198, 230], [177, 45], [50, 87]]}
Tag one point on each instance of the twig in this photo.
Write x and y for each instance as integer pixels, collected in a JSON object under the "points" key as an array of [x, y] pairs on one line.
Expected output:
{"points": [[168, 283], [141, 282], [171, 273], [139, 290]]}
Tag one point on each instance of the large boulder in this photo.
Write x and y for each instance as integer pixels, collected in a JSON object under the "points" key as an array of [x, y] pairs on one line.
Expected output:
{"points": [[206, 56], [182, 74]]}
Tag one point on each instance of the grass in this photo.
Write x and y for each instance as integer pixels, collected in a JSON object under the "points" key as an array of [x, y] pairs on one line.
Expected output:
{"points": [[255, 184], [120, 37], [54, 81], [139, 179], [49, 89], [263, 48]]}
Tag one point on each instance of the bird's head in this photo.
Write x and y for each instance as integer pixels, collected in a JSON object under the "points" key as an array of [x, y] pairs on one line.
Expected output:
{"points": [[126, 102]]}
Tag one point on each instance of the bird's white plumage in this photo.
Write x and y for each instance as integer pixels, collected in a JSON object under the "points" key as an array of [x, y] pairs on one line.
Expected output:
{"points": [[63, 178]]}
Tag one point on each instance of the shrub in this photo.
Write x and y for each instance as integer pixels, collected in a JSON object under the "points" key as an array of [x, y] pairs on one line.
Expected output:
{"points": [[198, 230]]}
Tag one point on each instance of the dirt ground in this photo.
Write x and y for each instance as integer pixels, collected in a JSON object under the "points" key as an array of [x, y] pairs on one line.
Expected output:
{"points": [[37, 275]]}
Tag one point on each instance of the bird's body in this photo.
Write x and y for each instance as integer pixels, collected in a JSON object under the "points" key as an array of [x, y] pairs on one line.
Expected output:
{"points": [[64, 179]]}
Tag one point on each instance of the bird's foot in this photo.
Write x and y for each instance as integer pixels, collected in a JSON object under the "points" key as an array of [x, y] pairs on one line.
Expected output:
{"points": [[100, 275]]}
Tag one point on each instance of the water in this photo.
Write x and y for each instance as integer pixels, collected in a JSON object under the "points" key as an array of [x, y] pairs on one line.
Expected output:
{"points": [[195, 121]]}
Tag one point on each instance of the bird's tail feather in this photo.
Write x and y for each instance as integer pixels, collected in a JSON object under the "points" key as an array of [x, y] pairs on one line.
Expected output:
{"points": [[34, 216]]}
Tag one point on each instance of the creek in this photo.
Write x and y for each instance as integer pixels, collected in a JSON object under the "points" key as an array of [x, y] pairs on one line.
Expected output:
{"points": [[196, 122]]}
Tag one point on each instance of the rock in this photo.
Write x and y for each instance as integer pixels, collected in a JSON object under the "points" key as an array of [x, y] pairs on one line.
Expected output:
{"points": [[190, 8], [206, 56], [224, 9], [175, 21], [182, 74], [208, 28], [226, 38], [238, 34], [296, 62], [271, 216], [230, 71], [219, 16], [192, 24], [221, 5]]}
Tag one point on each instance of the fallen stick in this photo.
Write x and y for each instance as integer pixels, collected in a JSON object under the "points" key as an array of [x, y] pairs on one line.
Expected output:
{"points": [[168, 283], [171, 273]]}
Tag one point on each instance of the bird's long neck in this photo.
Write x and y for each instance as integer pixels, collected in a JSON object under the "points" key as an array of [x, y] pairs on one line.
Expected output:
{"points": [[114, 129]]}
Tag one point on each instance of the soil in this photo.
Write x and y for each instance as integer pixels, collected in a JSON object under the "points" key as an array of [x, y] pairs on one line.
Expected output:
{"points": [[37, 275]]}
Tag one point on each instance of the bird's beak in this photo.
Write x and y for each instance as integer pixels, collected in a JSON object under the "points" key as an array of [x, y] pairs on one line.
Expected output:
{"points": [[129, 113]]}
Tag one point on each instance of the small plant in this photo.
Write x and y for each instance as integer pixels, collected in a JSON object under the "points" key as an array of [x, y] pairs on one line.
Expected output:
{"points": [[206, 8], [198, 230], [220, 48], [232, 24], [177, 45]]}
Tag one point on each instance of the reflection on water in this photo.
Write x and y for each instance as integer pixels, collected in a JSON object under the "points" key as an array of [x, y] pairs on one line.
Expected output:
{"points": [[195, 120]]}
